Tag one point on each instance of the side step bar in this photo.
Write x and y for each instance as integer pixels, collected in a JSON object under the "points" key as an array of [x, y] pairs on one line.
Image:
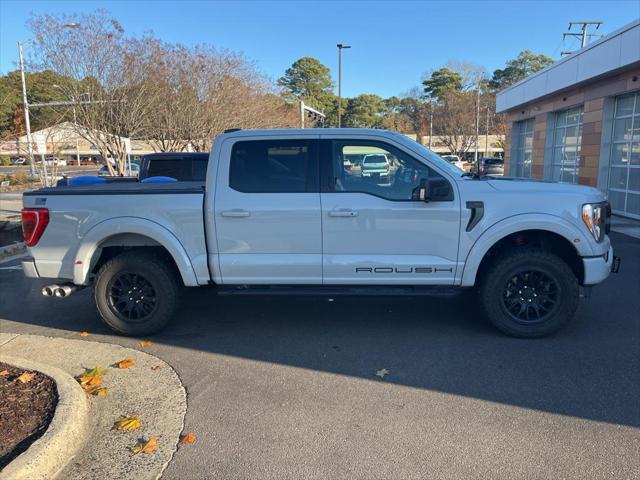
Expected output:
{"points": [[347, 290]]}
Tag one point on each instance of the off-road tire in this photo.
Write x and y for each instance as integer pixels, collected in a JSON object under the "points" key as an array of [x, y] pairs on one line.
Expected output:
{"points": [[500, 275], [157, 272]]}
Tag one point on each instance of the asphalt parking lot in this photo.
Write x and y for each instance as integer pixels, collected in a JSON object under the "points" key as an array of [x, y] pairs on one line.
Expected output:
{"points": [[286, 387]]}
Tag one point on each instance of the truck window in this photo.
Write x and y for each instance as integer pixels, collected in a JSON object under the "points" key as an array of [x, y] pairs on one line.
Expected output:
{"points": [[273, 166], [377, 169]]}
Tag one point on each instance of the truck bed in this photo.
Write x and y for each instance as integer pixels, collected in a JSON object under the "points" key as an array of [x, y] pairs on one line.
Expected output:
{"points": [[159, 214]]}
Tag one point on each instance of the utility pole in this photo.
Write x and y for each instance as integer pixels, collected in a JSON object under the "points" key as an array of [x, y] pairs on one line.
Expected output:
{"points": [[340, 47], [486, 135], [25, 104], [430, 122], [27, 121], [583, 35], [475, 156], [301, 114]]}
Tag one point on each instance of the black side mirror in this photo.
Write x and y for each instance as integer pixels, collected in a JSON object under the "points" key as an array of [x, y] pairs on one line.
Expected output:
{"points": [[422, 192]]}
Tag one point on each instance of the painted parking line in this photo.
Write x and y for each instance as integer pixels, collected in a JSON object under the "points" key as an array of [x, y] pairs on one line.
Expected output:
{"points": [[13, 267]]}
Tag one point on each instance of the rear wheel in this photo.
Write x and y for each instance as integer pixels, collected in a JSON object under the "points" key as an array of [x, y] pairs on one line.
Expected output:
{"points": [[529, 293], [136, 293]]}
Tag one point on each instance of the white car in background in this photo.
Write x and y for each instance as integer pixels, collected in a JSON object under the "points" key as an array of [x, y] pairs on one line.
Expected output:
{"points": [[376, 165], [455, 160]]}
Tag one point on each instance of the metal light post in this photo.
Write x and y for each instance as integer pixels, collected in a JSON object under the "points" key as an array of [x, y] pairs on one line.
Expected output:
{"points": [[25, 104], [340, 47], [475, 157]]}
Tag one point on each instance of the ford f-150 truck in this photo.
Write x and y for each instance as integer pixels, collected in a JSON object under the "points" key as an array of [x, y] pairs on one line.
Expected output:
{"points": [[280, 212]]}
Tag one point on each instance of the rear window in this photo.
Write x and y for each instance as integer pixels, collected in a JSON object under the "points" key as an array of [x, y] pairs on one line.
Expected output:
{"points": [[375, 159], [493, 161], [273, 167], [180, 168]]}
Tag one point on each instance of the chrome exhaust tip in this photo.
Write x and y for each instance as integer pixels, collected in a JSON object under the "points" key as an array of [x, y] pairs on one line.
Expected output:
{"points": [[49, 290], [63, 291]]}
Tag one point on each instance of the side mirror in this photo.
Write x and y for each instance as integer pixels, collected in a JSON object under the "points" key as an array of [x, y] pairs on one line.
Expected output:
{"points": [[422, 192]]}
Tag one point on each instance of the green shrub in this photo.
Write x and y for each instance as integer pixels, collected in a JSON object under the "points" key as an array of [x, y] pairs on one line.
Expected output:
{"points": [[5, 161]]}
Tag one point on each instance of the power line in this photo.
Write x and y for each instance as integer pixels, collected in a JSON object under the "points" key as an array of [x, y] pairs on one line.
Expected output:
{"points": [[583, 34]]}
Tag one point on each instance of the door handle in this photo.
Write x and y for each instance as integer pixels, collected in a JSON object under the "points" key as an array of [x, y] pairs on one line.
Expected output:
{"points": [[236, 213], [343, 212]]}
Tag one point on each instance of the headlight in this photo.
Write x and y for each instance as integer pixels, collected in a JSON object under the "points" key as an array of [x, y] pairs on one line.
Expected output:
{"points": [[594, 217]]}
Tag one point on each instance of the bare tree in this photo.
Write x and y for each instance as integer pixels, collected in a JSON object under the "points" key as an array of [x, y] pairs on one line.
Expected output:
{"points": [[109, 77], [171, 95], [454, 121]]}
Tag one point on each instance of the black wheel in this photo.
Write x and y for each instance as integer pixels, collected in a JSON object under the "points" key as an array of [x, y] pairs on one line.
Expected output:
{"points": [[136, 293], [529, 293]]}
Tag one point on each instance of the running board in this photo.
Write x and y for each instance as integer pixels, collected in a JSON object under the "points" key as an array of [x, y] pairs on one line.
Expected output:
{"points": [[346, 290]]}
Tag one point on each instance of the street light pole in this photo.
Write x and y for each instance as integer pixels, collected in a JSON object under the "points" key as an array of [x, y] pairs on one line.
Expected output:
{"points": [[340, 47], [25, 104]]}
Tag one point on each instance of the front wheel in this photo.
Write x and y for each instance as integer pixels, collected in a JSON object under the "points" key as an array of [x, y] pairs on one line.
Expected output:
{"points": [[529, 293], [136, 293]]}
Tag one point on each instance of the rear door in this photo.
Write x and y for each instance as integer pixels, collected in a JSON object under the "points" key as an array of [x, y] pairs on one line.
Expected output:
{"points": [[267, 212], [374, 230]]}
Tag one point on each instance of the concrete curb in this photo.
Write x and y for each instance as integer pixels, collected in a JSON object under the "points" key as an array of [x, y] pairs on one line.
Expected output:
{"points": [[150, 389], [66, 433]]}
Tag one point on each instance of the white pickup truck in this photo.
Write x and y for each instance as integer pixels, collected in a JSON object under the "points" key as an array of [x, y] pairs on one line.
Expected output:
{"points": [[279, 211]]}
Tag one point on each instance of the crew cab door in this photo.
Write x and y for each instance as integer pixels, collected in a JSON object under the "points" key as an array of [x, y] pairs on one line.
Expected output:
{"points": [[267, 212], [374, 232]]}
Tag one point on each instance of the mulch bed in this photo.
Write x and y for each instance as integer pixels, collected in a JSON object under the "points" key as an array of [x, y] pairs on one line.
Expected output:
{"points": [[26, 409]]}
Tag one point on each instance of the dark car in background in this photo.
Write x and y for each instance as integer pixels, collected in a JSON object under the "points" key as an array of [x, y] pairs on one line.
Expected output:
{"points": [[183, 166], [490, 166]]}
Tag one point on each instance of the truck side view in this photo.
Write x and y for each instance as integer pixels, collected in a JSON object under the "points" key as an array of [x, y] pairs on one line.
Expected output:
{"points": [[291, 209]]}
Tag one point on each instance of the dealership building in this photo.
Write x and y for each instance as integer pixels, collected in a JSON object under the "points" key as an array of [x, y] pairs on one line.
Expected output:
{"points": [[578, 120]]}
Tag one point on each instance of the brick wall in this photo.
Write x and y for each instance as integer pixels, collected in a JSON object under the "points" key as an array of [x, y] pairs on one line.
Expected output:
{"points": [[590, 147], [591, 96]]}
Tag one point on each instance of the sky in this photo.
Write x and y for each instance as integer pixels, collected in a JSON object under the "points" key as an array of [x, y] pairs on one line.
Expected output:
{"points": [[394, 43]]}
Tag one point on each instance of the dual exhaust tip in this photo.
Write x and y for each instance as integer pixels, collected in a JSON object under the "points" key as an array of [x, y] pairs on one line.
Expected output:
{"points": [[60, 291]]}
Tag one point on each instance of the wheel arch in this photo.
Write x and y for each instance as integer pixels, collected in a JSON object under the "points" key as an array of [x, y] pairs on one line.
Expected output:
{"points": [[547, 231], [124, 233]]}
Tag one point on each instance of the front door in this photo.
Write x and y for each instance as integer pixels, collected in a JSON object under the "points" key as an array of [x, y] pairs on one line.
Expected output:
{"points": [[267, 212], [374, 232]]}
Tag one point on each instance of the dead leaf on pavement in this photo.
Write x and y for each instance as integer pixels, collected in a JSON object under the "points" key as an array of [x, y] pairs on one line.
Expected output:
{"points": [[382, 373], [5, 373], [145, 343], [25, 377], [156, 367], [127, 423], [145, 446], [187, 439], [126, 363], [96, 390], [89, 380], [84, 334], [96, 371], [100, 392]]}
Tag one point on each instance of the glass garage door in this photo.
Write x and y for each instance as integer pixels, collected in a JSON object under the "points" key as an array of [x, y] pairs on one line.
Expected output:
{"points": [[624, 172]]}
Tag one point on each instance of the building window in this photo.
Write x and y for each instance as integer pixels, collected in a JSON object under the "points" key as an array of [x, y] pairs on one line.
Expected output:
{"points": [[524, 148], [624, 171], [567, 137]]}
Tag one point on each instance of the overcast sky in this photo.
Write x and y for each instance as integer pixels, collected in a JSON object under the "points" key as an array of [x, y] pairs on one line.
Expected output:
{"points": [[394, 43]]}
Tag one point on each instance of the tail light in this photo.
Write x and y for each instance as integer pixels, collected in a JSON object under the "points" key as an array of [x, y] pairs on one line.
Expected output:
{"points": [[34, 221]]}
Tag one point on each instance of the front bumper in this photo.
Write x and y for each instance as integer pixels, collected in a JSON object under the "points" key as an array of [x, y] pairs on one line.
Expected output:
{"points": [[597, 269]]}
